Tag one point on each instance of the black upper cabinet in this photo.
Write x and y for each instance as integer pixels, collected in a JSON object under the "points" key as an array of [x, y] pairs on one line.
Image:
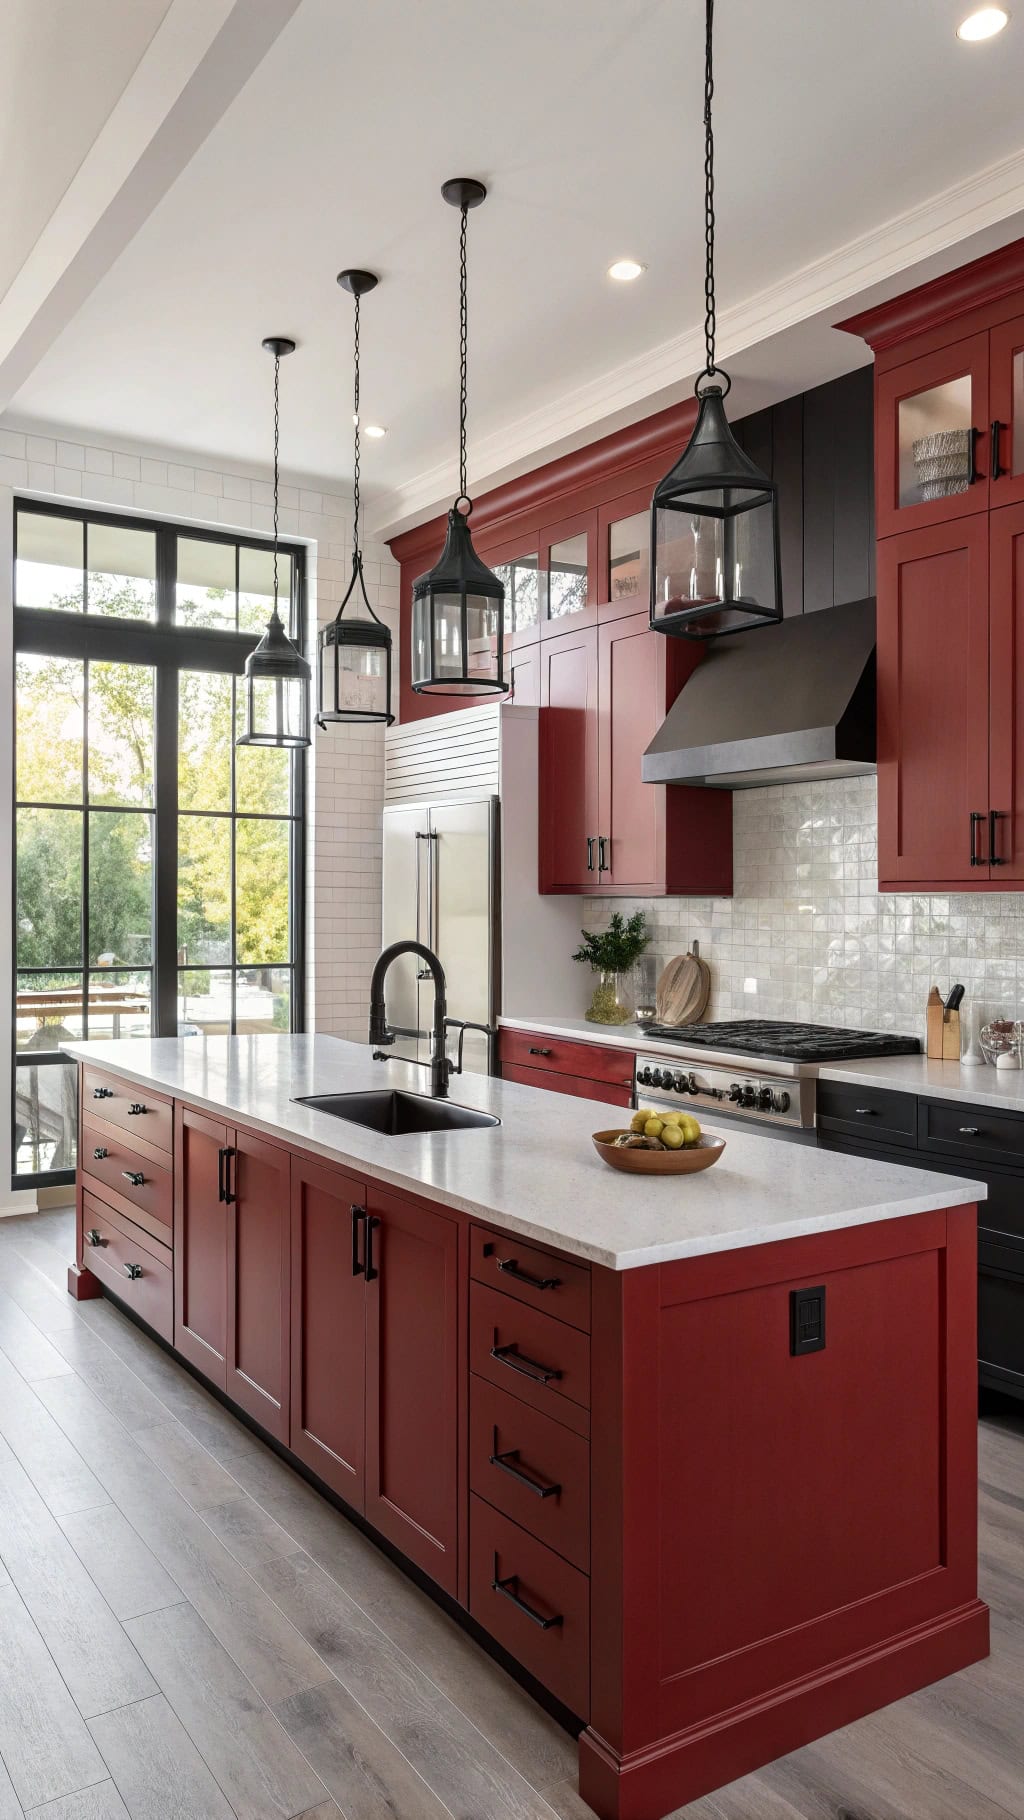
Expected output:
{"points": [[818, 448]]}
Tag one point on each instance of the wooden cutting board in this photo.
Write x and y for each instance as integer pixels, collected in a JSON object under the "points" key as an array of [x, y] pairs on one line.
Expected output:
{"points": [[683, 990]]}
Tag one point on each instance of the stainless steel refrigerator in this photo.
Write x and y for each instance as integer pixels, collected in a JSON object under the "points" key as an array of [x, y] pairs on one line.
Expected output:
{"points": [[441, 887]]}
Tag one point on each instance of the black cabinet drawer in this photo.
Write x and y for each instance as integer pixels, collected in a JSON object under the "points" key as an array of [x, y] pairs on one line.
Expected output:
{"points": [[873, 1115], [948, 1129]]}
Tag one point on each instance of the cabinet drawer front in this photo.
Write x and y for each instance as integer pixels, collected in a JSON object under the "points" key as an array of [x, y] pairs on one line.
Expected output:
{"points": [[553, 1054], [551, 1636], [971, 1131], [541, 1360], [124, 1103], [1001, 1315], [569, 1083], [877, 1115], [531, 1469], [536, 1277], [108, 1158], [124, 1257]]}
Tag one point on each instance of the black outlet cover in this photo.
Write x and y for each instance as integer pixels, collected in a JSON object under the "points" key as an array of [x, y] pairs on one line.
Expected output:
{"points": [[807, 1320]]}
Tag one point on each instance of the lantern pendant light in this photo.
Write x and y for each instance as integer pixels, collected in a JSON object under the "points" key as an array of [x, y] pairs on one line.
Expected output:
{"points": [[354, 655], [277, 676], [458, 607], [714, 518]]}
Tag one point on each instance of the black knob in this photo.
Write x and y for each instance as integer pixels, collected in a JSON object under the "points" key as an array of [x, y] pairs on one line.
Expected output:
{"points": [[133, 1270], [766, 1100], [736, 1092], [103, 1093], [691, 1084], [679, 1084], [655, 1080], [93, 1237], [135, 1107], [100, 1152], [782, 1102], [748, 1097], [644, 1077]]}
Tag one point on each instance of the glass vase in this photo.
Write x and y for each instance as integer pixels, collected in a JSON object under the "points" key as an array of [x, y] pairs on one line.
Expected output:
{"points": [[609, 1002]]}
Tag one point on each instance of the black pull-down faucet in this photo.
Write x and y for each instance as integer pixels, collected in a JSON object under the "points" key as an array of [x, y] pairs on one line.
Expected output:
{"points": [[440, 1067]]}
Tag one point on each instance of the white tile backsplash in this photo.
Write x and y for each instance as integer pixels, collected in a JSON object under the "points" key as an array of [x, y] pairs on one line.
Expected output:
{"points": [[808, 934]]}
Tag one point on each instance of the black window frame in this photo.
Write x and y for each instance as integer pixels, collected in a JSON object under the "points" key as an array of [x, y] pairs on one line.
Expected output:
{"points": [[169, 648]]}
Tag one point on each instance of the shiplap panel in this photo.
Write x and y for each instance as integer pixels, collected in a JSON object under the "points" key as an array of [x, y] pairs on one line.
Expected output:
{"points": [[451, 755]]}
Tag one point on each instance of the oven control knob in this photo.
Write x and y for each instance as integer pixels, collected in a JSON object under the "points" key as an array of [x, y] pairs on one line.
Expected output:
{"points": [[691, 1084], [782, 1102], [654, 1078], [736, 1093], [643, 1077], [766, 1100], [680, 1084], [748, 1096]]}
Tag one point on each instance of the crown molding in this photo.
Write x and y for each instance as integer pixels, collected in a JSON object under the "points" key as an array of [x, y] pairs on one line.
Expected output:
{"points": [[663, 374]]}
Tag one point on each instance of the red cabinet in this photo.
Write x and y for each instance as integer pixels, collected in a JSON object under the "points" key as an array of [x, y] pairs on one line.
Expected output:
{"points": [[201, 1244], [258, 1271], [412, 1381], [1006, 694], [605, 690], [328, 1326], [931, 464]]}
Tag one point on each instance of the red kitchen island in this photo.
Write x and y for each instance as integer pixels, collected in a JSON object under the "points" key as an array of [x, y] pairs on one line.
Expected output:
{"points": [[696, 1456]]}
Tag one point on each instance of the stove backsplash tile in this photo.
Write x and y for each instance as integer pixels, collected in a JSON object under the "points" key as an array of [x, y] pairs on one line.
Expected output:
{"points": [[809, 936]]}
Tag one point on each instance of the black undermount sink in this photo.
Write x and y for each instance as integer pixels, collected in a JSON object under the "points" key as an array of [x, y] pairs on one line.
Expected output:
{"points": [[394, 1113]]}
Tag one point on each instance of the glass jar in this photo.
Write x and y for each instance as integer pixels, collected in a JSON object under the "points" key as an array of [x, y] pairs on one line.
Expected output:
{"points": [[610, 1001]]}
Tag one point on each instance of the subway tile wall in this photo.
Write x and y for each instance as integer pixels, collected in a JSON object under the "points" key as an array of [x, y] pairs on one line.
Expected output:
{"points": [[808, 934], [346, 765]]}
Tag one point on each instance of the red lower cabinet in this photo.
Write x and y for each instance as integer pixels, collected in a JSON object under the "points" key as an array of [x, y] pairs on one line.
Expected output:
{"points": [[412, 1381], [201, 1244], [258, 1272], [328, 1326]]}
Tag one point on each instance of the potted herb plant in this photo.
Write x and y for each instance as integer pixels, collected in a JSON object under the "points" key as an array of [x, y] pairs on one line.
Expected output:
{"points": [[611, 954]]}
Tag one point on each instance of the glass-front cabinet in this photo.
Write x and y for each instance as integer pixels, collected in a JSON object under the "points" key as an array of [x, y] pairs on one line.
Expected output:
{"points": [[933, 454], [1006, 448]]}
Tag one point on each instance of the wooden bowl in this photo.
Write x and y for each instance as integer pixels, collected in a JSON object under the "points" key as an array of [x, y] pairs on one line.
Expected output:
{"points": [[686, 1161]]}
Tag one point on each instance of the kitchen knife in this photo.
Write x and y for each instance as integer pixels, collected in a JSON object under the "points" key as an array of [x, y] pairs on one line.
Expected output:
{"points": [[955, 998]]}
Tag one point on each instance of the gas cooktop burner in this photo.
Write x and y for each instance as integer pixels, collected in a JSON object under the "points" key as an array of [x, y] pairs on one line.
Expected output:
{"points": [[787, 1042]]}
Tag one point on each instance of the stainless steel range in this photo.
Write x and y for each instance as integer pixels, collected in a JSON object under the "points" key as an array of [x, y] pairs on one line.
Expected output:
{"points": [[762, 1072]]}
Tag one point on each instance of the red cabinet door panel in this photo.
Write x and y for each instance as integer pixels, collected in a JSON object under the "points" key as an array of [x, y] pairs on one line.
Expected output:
{"points": [[1006, 431], [631, 692], [259, 1261], [1006, 631], [200, 1245], [328, 1326], [568, 762], [412, 1389], [933, 722]]}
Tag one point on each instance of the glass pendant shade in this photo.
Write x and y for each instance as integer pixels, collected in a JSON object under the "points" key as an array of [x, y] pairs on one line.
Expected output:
{"points": [[714, 536], [458, 621], [354, 669], [276, 683]]}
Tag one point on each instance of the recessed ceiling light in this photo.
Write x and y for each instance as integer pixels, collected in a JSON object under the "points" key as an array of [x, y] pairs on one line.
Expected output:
{"points": [[376, 430], [625, 270], [984, 23]]}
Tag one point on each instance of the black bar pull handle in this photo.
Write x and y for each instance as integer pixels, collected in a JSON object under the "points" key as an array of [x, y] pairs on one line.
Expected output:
{"points": [[536, 1051], [94, 1237], [995, 465], [969, 1130], [972, 455], [994, 816], [370, 1270], [358, 1220], [511, 1269], [976, 817], [602, 856], [135, 1177], [133, 1270], [590, 853], [508, 1462], [100, 1152], [103, 1093], [527, 1368], [509, 1589], [225, 1192], [137, 1108]]}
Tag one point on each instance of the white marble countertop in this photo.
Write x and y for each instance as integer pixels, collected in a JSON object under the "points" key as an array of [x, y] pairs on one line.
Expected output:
{"points": [[987, 1086], [578, 1030], [537, 1173]]}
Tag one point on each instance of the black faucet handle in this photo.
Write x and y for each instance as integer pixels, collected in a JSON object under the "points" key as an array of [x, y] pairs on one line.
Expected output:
{"points": [[462, 1025]]}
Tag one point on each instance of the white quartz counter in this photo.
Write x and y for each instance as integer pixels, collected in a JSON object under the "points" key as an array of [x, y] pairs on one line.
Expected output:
{"points": [[987, 1086], [537, 1173]]}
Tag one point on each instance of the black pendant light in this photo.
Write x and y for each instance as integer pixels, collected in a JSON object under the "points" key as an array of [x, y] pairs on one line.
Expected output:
{"points": [[458, 607], [714, 518], [354, 655], [277, 676]]}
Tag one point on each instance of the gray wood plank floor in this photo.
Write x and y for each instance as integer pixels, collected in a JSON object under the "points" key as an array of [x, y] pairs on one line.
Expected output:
{"points": [[187, 1632]]}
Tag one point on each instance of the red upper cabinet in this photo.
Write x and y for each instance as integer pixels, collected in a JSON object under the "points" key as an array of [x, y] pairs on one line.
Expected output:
{"points": [[1006, 647], [931, 441], [569, 807], [258, 1269], [1006, 430], [933, 724]]}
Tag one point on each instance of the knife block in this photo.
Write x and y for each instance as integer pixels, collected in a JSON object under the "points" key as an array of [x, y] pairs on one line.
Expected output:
{"points": [[943, 1030]]}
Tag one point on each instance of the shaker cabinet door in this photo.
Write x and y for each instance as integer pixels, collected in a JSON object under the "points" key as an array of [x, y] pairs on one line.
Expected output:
{"points": [[412, 1389], [201, 1244], [259, 1257], [328, 1325], [1006, 625], [933, 713], [1006, 431], [569, 762]]}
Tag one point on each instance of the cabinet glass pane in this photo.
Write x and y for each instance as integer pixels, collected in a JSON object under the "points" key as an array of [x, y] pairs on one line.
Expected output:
{"points": [[522, 600], [122, 572], [45, 1117], [262, 850], [48, 905], [935, 441], [629, 559], [121, 735], [205, 591], [1017, 452], [48, 1010], [48, 763], [263, 1000], [204, 1001], [567, 576], [51, 559], [120, 889], [204, 889]]}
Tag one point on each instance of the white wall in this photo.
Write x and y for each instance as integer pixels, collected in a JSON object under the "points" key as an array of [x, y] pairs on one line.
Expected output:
{"points": [[346, 765]]}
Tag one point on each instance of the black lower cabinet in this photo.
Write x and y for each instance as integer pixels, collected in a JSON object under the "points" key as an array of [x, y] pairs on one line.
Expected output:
{"points": [[1000, 1217]]}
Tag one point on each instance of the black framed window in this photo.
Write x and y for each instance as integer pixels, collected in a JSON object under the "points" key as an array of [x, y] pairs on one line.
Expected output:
{"points": [[158, 876]]}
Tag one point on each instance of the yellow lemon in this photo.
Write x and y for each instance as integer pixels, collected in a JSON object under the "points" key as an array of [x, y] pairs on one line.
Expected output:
{"points": [[672, 1136], [673, 1118], [691, 1128], [654, 1127], [638, 1121]]}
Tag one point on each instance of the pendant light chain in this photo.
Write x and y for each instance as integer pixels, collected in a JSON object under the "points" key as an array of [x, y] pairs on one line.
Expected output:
{"points": [[463, 352], [709, 196], [277, 444], [356, 553]]}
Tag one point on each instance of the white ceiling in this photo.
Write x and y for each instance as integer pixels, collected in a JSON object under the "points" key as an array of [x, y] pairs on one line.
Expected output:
{"points": [[64, 65], [584, 118]]}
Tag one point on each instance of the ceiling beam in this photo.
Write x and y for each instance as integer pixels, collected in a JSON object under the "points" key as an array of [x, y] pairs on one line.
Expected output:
{"points": [[200, 57]]}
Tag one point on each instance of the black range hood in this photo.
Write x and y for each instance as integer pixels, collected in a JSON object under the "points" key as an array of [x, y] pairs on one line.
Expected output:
{"points": [[784, 704]]}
